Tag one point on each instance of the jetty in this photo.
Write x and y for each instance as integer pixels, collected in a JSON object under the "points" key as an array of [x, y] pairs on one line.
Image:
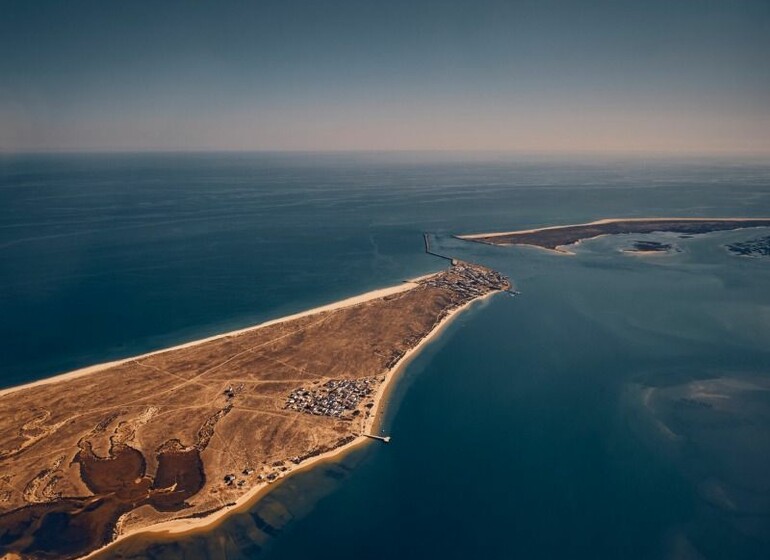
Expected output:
{"points": [[426, 239]]}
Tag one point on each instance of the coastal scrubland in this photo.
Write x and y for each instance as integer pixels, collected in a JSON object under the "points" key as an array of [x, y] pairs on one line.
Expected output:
{"points": [[185, 433]]}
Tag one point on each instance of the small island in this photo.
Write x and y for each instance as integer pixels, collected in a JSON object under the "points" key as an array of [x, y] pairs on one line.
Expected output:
{"points": [[556, 238], [172, 440], [759, 247]]}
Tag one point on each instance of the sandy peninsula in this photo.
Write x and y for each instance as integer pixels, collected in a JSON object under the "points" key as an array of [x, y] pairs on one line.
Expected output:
{"points": [[558, 238], [173, 440]]}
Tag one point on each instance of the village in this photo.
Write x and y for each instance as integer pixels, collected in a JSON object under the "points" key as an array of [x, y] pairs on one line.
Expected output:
{"points": [[334, 398]]}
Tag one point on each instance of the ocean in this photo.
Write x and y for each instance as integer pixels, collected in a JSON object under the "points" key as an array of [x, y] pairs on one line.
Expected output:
{"points": [[618, 408]]}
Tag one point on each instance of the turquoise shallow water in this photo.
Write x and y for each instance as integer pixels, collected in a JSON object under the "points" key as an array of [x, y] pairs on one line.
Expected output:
{"points": [[619, 408]]}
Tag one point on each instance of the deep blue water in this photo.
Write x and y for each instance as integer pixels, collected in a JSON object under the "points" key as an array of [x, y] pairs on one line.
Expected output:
{"points": [[619, 408]]}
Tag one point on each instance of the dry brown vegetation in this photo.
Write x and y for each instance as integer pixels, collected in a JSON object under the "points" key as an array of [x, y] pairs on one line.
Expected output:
{"points": [[152, 439]]}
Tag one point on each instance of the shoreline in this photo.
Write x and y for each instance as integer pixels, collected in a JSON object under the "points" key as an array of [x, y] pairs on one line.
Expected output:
{"points": [[374, 422], [560, 250], [347, 302], [603, 221]]}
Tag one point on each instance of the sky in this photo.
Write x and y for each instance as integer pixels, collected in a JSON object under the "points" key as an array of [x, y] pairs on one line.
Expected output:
{"points": [[673, 76]]}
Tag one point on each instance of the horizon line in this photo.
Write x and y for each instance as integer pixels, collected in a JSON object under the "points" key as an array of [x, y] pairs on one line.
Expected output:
{"points": [[340, 151]]}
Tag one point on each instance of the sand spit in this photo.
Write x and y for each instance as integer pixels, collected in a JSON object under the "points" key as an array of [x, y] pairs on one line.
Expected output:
{"points": [[279, 397], [556, 238], [604, 221]]}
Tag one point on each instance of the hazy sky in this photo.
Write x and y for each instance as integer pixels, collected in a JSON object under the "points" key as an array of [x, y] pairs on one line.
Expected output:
{"points": [[660, 75]]}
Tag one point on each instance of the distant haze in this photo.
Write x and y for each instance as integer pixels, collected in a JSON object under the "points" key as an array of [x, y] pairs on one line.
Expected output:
{"points": [[660, 75]]}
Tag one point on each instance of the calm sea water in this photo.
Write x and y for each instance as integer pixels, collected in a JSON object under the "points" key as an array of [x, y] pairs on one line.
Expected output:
{"points": [[619, 408]]}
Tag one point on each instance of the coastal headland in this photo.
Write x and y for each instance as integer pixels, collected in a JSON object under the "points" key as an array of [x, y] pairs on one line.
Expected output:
{"points": [[556, 238], [175, 438]]}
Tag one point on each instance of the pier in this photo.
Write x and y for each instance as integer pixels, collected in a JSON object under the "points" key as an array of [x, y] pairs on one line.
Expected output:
{"points": [[385, 439]]}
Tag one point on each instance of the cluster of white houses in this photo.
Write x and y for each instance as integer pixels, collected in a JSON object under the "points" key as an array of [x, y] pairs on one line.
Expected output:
{"points": [[333, 398]]}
